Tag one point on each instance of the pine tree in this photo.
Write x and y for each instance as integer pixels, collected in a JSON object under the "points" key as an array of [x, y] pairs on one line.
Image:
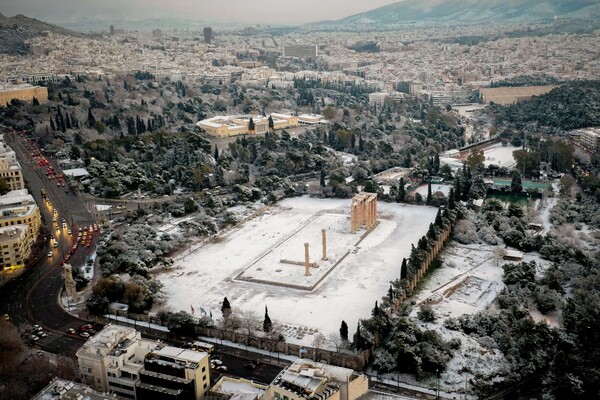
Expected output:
{"points": [[344, 331], [226, 308], [404, 269], [267, 324]]}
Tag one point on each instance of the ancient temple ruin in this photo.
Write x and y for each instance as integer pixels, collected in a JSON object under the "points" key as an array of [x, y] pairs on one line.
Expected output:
{"points": [[363, 211]]}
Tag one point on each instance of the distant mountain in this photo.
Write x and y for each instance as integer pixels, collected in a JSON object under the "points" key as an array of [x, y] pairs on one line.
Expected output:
{"points": [[14, 31], [476, 11]]}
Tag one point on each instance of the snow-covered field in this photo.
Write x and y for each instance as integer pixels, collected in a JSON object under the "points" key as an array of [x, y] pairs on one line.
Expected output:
{"points": [[500, 155], [210, 272]]}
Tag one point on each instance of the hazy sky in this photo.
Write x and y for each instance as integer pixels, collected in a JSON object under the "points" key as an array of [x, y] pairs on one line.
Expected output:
{"points": [[246, 11]]}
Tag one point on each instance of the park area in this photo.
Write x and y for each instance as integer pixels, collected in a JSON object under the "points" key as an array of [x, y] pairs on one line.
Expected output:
{"points": [[245, 265]]}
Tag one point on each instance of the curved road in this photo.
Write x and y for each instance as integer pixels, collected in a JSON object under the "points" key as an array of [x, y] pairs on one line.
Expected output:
{"points": [[33, 297]]}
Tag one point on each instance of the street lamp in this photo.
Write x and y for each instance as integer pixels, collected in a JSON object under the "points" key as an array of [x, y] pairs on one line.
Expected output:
{"points": [[437, 389]]}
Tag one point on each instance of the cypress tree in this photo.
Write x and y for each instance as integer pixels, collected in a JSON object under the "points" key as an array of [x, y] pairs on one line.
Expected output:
{"points": [[344, 331], [251, 126], [431, 232], [68, 121], [401, 191], [322, 178], [361, 143], [428, 201], [438, 219], [91, 121], [358, 340], [271, 123], [451, 202], [404, 269], [375, 311], [226, 308], [52, 125], [267, 324], [216, 156]]}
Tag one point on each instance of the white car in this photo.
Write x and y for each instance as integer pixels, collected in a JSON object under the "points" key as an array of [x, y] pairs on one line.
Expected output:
{"points": [[34, 338], [50, 253]]}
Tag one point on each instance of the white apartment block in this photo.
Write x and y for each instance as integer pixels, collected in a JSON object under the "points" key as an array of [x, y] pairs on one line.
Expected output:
{"points": [[118, 361], [111, 360]]}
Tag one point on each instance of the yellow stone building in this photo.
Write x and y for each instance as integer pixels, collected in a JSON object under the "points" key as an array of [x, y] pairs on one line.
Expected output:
{"points": [[24, 92], [234, 125]]}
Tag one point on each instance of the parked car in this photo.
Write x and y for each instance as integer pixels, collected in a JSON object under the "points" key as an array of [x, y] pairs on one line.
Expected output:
{"points": [[84, 335], [70, 331]]}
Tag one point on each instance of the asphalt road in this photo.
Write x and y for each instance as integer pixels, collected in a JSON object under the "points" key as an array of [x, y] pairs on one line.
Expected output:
{"points": [[33, 297]]}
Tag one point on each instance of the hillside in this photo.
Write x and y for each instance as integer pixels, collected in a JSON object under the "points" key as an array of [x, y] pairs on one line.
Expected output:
{"points": [[14, 31], [476, 11]]}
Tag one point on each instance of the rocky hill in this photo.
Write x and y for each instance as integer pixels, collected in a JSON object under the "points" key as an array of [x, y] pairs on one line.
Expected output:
{"points": [[14, 31], [477, 11]]}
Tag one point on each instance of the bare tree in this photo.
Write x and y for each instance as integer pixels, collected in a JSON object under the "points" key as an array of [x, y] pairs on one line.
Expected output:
{"points": [[499, 253], [336, 341], [250, 321]]}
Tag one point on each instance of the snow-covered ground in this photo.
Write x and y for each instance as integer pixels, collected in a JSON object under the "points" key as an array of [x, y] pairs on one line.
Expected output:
{"points": [[435, 187], [500, 155], [202, 278]]}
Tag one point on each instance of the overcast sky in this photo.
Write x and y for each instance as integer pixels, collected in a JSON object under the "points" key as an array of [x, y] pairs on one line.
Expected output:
{"points": [[246, 11]]}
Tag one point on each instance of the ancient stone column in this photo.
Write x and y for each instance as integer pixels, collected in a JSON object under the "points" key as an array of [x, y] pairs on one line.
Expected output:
{"points": [[306, 261], [324, 238]]}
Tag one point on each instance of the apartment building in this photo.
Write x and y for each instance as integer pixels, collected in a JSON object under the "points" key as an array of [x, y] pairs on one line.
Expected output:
{"points": [[119, 361], [111, 361], [309, 380], [589, 139], [172, 373], [20, 223], [10, 169]]}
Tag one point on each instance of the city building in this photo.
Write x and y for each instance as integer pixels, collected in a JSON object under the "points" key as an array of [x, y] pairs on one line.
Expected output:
{"points": [[238, 124], [238, 389], [208, 35], [300, 50], [60, 389], [20, 223], [111, 361], [119, 361], [172, 373], [23, 92], [309, 380], [15, 246], [589, 139], [10, 169]]}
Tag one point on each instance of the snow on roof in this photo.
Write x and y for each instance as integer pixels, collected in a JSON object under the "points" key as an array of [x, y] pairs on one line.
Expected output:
{"points": [[76, 172], [181, 354]]}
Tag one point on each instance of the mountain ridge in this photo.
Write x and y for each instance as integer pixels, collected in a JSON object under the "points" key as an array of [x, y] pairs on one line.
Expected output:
{"points": [[474, 11], [19, 28]]}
